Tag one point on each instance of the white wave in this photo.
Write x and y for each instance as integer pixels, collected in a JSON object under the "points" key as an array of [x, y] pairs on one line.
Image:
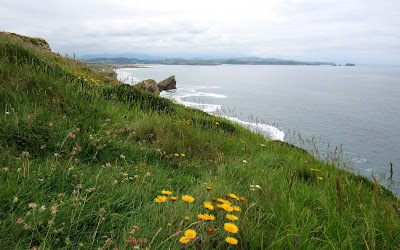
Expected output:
{"points": [[183, 94], [209, 108], [198, 87], [273, 132]]}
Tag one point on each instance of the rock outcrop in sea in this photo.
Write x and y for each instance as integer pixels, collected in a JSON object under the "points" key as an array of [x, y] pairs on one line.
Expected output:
{"points": [[148, 85], [151, 86], [167, 84]]}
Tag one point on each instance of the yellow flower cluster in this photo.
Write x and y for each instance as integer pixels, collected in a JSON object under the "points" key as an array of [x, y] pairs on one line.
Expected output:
{"points": [[221, 204], [318, 171], [89, 78], [205, 217], [186, 121], [189, 235]]}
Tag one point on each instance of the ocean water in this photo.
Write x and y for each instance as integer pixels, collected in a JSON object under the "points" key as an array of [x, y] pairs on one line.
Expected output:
{"points": [[353, 110]]}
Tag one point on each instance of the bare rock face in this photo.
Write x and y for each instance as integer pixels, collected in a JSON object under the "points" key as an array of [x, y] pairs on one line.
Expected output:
{"points": [[148, 85], [167, 84]]}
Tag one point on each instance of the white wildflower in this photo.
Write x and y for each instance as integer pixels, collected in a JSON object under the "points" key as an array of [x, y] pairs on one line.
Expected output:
{"points": [[42, 208]]}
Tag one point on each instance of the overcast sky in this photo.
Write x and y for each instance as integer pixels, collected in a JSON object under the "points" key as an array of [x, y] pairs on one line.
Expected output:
{"points": [[359, 31]]}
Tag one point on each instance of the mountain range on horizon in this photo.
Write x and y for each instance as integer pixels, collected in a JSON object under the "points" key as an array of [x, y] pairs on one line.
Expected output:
{"points": [[148, 59]]}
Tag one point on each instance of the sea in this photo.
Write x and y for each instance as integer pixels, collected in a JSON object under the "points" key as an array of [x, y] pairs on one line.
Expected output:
{"points": [[344, 114]]}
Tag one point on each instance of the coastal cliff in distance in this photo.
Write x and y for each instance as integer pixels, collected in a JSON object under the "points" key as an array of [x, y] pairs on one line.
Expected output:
{"points": [[180, 61]]}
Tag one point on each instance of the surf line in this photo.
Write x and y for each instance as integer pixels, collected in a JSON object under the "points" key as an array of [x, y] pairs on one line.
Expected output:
{"points": [[179, 94]]}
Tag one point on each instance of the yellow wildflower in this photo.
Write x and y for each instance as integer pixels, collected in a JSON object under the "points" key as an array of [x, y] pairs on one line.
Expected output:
{"points": [[187, 218], [176, 154], [190, 233], [227, 208], [236, 209], [188, 198], [208, 205], [166, 192], [125, 174], [184, 240], [183, 155], [209, 217], [320, 178], [230, 227], [242, 199], [201, 217], [231, 217], [225, 202], [160, 199], [206, 217], [209, 188], [233, 196], [231, 240]]}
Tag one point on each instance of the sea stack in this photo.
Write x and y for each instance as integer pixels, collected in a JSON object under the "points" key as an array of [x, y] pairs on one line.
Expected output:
{"points": [[167, 84]]}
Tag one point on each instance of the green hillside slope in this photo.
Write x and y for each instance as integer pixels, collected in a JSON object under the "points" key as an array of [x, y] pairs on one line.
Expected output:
{"points": [[86, 163]]}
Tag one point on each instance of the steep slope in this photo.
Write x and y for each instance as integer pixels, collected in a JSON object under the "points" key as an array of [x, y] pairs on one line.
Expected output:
{"points": [[84, 161]]}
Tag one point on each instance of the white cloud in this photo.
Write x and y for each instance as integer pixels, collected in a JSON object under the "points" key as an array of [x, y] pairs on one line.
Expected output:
{"points": [[365, 30]]}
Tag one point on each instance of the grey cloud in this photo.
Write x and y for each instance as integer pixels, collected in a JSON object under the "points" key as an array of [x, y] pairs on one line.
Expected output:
{"points": [[302, 29]]}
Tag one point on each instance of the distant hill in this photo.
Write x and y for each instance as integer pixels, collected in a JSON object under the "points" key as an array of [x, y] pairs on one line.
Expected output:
{"points": [[181, 61]]}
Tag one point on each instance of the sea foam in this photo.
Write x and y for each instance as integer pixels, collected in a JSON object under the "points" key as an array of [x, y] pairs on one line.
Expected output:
{"points": [[271, 131]]}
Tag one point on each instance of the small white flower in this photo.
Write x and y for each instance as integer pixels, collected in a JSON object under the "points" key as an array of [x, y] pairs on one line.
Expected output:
{"points": [[42, 208], [244, 161], [262, 145], [253, 187], [7, 113], [32, 205]]}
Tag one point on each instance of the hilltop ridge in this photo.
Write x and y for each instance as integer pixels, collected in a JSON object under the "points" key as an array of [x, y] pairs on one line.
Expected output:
{"points": [[181, 61]]}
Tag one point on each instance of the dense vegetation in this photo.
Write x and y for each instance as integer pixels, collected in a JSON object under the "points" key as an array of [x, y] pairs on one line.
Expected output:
{"points": [[88, 162]]}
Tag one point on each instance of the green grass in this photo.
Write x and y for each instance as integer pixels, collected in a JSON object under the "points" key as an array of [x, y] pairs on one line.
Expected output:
{"points": [[83, 157]]}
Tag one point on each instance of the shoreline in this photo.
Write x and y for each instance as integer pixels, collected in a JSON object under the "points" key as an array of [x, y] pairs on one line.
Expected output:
{"points": [[133, 66]]}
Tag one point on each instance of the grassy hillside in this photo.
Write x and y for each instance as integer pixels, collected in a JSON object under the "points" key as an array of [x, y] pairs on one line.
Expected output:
{"points": [[86, 163]]}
